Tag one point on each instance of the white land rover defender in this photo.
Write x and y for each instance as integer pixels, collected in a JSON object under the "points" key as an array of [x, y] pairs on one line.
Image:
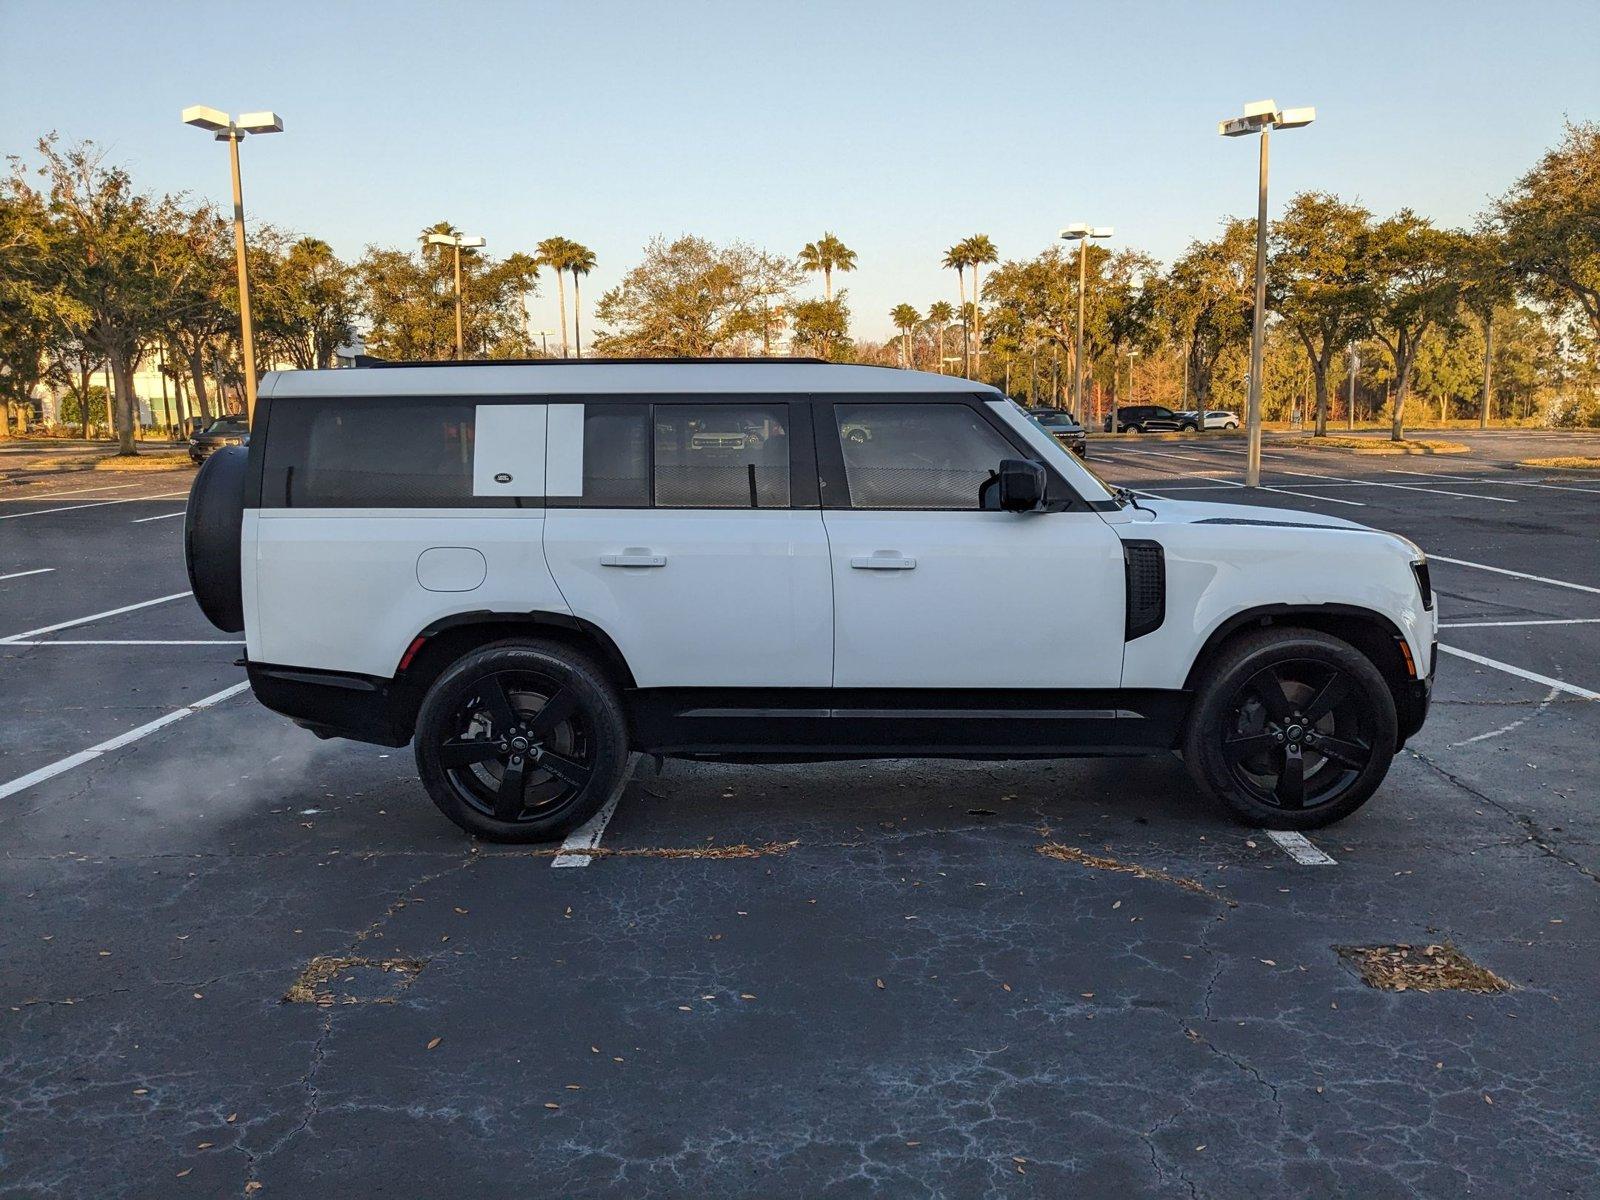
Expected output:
{"points": [[530, 570]]}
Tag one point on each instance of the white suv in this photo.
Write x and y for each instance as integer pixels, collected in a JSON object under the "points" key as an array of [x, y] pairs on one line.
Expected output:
{"points": [[532, 569]]}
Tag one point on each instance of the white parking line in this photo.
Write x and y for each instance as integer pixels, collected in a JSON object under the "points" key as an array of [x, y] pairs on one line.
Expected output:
{"points": [[112, 612], [1461, 562], [35, 571], [22, 782], [1301, 849], [1404, 487], [40, 512], [110, 487], [587, 835], [1503, 624], [121, 642], [160, 517], [1560, 685], [1283, 491]]}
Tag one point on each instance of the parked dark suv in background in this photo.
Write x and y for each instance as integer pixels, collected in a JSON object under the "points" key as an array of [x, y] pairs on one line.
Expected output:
{"points": [[1064, 427], [224, 431], [1149, 418]]}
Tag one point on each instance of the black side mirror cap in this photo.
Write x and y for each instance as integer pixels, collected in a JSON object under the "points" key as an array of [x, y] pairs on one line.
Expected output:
{"points": [[1022, 484]]}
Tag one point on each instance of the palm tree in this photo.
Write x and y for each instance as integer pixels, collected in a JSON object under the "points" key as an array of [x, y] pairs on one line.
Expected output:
{"points": [[955, 259], [580, 261], [828, 254], [980, 250], [553, 253], [905, 319], [940, 314]]}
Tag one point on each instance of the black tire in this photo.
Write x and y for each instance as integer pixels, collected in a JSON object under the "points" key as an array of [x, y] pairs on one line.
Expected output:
{"points": [[473, 716], [211, 525], [1278, 697]]}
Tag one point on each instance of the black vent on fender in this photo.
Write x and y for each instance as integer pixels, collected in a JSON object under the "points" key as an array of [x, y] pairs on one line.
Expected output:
{"points": [[1146, 568]]}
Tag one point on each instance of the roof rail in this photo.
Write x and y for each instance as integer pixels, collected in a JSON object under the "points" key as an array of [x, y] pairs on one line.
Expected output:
{"points": [[381, 364]]}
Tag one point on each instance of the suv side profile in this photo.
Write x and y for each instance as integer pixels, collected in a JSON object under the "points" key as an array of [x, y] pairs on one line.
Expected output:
{"points": [[1149, 418], [530, 571]]}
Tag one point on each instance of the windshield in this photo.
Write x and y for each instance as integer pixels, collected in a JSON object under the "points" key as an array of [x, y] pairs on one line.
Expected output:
{"points": [[1058, 418], [228, 425], [1097, 491]]}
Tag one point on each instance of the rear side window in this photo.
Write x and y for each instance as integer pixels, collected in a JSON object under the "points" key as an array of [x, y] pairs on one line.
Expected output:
{"points": [[616, 456], [917, 456], [721, 455], [394, 452]]}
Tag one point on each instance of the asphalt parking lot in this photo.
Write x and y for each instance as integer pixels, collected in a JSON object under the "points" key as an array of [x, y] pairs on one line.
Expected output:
{"points": [[239, 961]]}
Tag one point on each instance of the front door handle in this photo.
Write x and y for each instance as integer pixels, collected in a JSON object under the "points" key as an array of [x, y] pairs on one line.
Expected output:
{"points": [[883, 560], [633, 557]]}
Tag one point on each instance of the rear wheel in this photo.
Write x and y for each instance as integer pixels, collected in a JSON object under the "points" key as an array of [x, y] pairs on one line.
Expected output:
{"points": [[1291, 729], [521, 741]]}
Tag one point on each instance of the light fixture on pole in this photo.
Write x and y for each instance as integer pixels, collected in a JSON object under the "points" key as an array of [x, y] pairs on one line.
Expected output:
{"points": [[1260, 116], [232, 131], [457, 241], [1081, 234]]}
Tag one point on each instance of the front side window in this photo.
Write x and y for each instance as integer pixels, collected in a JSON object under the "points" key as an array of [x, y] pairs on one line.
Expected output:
{"points": [[917, 456], [721, 455]]}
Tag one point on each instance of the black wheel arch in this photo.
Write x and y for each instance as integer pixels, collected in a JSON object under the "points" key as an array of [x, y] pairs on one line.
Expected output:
{"points": [[1369, 631], [445, 641]]}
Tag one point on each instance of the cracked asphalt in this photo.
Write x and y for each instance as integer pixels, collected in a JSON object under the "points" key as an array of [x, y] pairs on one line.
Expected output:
{"points": [[880, 985]]}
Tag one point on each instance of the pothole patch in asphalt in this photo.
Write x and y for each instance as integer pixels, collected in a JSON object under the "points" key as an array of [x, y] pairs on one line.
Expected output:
{"points": [[1435, 968]]}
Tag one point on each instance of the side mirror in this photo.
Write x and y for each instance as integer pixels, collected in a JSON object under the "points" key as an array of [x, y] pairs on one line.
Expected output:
{"points": [[1021, 484]]}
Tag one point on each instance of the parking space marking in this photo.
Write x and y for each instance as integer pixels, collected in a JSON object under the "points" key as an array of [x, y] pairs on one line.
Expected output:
{"points": [[1404, 487], [41, 512], [1286, 492], [1560, 685], [110, 487], [1461, 562], [122, 642], [21, 574], [62, 765], [1503, 624], [112, 612], [1298, 847], [159, 517], [587, 835]]}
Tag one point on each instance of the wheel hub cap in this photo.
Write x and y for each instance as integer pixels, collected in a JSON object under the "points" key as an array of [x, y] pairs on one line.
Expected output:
{"points": [[519, 743], [1295, 733]]}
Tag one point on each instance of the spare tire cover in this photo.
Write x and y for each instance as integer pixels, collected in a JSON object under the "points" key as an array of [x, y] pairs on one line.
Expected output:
{"points": [[211, 537]]}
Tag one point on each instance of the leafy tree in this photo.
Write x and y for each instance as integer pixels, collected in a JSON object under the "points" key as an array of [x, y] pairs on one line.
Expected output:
{"points": [[1319, 281], [203, 311], [307, 302], [777, 278], [822, 327], [1551, 222], [1205, 302], [688, 297], [107, 269], [940, 314], [1488, 288], [827, 254], [29, 330], [905, 318], [1415, 289], [409, 302], [580, 261]]}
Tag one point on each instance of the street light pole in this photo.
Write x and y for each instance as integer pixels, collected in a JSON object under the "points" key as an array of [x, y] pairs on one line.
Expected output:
{"points": [[228, 130], [1260, 116], [1081, 234], [1350, 405], [457, 241]]}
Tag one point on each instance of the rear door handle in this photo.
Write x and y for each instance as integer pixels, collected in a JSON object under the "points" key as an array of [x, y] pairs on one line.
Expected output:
{"points": [[633, 558], [883, 560]]}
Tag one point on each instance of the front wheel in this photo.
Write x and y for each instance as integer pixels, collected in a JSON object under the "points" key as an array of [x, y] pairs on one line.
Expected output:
{"points": [[1291, 729], [521, 741]]}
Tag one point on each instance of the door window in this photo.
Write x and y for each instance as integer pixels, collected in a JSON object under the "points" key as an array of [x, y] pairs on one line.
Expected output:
{"points": [[721, 455], [917, 456], [616, 456]]}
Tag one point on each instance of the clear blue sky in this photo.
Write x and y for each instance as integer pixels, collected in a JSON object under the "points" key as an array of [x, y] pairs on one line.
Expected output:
{"points": [[901, 127]]}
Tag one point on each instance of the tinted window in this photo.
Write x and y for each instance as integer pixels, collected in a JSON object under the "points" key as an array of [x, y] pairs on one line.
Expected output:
{"points": [[917, 456], [616, 456], [228, 425], [722, 455], [361, 453]]}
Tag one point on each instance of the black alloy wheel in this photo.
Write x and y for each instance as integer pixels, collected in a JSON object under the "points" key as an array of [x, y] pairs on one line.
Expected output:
{"points": [[1291, 728], [521, 741]]}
